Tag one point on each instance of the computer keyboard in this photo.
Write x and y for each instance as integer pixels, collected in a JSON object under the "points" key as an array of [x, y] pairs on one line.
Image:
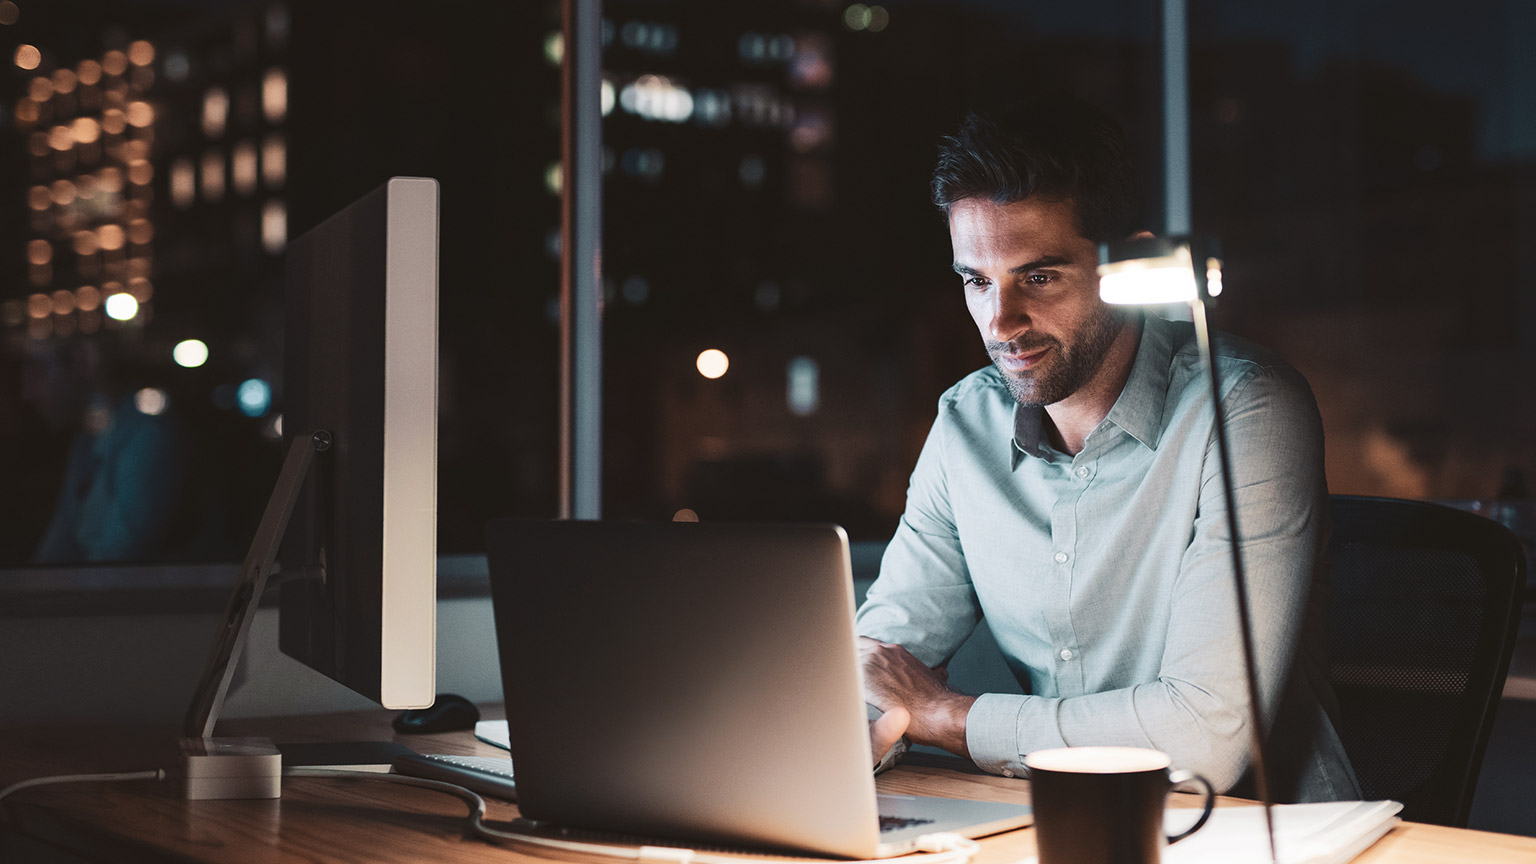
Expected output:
{"points": [[487, 775], [896, 823]]}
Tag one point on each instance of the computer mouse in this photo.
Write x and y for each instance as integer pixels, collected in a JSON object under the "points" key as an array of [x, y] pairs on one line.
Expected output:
{"points": [[447, 713]]}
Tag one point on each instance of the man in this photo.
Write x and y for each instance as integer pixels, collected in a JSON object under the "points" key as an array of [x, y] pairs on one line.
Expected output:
{"points": [[1069, 494]]}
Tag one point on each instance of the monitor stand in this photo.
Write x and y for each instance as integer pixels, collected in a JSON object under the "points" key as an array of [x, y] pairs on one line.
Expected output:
{"points": [[242, 767]]}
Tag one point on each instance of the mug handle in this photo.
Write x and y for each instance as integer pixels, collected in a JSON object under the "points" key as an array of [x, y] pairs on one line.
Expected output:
{"points": [[1176, 778]]}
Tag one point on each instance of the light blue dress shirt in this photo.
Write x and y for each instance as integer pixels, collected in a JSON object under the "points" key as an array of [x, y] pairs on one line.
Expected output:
{"points": [[1106, 577]]}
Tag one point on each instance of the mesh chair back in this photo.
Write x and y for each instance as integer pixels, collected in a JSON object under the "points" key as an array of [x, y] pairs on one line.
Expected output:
{"points": [[1424, 607]]}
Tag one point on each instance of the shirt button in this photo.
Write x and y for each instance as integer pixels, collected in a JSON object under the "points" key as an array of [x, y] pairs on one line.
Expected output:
{"points": [[1007, 772], [1061, 557], [1066, 653], [1084, 472]]}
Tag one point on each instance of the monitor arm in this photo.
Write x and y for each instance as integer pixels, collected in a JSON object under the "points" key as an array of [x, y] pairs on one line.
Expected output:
{"points": [[241, 766]]}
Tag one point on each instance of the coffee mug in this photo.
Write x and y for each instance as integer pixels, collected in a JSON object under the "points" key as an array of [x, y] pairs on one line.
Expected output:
{"points": [[1104, 805]]}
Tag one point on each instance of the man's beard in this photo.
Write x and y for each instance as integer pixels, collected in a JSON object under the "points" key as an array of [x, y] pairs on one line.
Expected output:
{"points": [[1064, 370]]}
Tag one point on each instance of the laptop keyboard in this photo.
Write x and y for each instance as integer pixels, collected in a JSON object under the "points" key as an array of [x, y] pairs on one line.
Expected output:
{"points": [[487, 775], [896, 823]]}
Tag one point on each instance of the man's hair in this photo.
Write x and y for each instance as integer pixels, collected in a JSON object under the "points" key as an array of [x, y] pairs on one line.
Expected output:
{"points": [[1057, 148]]}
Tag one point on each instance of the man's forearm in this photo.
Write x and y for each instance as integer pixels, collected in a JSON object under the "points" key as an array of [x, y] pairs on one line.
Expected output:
{"points": [[942, 723], [893, 678]]}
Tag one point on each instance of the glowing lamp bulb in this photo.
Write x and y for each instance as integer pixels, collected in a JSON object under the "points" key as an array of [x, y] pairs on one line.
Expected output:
{"points": [[713, 363]]}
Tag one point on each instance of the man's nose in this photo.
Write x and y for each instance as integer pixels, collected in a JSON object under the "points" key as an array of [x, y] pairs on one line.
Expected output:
{"points": [[1010, 315]]}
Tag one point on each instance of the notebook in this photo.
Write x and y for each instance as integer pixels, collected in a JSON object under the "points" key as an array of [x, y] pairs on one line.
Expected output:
{"points": [[700, 682]]}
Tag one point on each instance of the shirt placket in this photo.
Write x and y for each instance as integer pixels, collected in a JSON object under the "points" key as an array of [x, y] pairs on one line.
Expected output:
{"points": [[1065, 648]]}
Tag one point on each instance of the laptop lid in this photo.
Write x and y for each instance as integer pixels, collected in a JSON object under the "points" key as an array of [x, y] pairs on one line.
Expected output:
{"points": [[685, 679]]}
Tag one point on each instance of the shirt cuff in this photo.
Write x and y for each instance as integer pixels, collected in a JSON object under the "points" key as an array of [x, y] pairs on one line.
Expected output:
{"points": [[995, 733]]}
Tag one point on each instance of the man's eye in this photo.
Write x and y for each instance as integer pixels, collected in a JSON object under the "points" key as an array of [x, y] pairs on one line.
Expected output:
{"points": [[1038, 278], [974, 282]]}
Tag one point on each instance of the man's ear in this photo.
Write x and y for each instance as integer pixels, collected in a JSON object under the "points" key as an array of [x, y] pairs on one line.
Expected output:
{"points": [[1141, 235]]}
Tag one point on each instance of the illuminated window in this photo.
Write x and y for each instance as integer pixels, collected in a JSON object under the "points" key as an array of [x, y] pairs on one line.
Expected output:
{"points": [[141, 231], [63, 302], [254, 397], [274, 95], [274, 227], [63, 193], [804, 386], [274, 161], [89, 72], [183, 183], [151, 401], [213, 176], [243, 167], [139, 114], [111, 237], [215, 111], [141, 53], [86, 130], [28, 57], [61, 138]]}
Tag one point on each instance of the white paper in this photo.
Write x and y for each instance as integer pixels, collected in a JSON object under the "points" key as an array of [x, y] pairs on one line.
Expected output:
{"points": [[1329, 833], [494, 732]]}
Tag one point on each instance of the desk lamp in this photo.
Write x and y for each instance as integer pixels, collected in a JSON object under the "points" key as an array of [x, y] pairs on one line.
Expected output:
{"points": [[1162, 270]]}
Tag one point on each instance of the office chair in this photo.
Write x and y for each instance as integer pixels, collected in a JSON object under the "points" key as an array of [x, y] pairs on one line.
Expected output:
{"points": [[1424, 605]]}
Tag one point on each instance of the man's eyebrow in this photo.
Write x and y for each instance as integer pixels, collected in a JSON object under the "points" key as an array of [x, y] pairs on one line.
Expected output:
{"points": [[1047, 261]]}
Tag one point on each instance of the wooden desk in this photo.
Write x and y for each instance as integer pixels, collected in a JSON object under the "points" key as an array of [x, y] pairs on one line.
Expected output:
{"points": [[359, 820]]}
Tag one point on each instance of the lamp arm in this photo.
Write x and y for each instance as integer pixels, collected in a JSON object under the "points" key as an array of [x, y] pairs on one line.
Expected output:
{"points": [[1203, 339]]}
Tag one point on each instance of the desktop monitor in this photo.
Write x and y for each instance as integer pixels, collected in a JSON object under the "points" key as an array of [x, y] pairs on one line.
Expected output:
{"points": [[359, 558], [354, 508]]}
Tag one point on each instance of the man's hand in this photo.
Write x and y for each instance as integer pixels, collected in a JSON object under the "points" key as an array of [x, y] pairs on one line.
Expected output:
{"points": [[885, 731], [895, 680]]}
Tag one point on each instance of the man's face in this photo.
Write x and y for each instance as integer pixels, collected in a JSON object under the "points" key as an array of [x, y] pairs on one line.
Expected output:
{"points": [[1032, 286]]}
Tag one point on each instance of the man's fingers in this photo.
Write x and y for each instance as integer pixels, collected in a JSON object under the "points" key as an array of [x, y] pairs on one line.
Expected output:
{"points": [[886, 730]]}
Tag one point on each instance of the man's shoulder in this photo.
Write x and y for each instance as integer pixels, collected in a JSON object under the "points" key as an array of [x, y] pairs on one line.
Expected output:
{"points": [[985, 383], [1237, 359], [981, 391]]}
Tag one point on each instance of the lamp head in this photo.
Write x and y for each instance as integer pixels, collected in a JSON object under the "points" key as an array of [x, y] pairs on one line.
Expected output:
{"points": [[1153, 270]]}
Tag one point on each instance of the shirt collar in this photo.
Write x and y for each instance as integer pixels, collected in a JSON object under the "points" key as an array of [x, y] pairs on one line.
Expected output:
{"points": [[1138, 410]]}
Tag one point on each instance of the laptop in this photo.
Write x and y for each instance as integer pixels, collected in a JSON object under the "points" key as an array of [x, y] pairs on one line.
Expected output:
{"points": [[697, 681]]}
